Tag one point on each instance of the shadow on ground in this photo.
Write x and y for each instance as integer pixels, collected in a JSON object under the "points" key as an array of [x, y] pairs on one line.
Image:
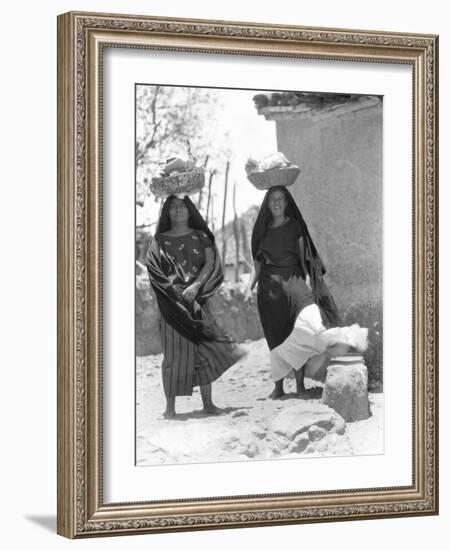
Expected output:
{"points": [[201, 414], [46, 522]]}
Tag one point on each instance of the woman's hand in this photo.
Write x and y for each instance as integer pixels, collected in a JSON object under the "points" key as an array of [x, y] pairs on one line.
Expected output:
{"points": [[253, 281], [190, 292]]}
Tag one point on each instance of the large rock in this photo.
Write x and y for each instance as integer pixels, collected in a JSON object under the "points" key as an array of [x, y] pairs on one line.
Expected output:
{"points": [[301, 417], [346, 390]]}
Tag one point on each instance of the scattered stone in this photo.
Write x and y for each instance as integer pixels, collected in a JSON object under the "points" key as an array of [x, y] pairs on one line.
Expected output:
{"points": [[339, 427], [251, 451], [309, 450], [239, 413], [280, 442], [259, 433], [299, 418], [299, 444], [232, 444], [322, 446], [346, 391], [316, 433]]}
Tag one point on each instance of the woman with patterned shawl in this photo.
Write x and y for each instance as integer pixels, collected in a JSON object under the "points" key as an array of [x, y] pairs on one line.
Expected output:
{"points": [[184, 269], [295, 306]]}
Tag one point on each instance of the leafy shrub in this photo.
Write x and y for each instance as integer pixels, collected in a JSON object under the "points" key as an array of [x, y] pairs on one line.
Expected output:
{"points": [[370, 315]]}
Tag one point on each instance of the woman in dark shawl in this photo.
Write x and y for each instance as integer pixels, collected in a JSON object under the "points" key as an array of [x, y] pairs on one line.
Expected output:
{"points": [[184, 269], [295, 306]]}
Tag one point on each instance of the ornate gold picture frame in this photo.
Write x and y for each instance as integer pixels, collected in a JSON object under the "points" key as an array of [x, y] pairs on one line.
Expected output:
{"points": [[82, 40]]}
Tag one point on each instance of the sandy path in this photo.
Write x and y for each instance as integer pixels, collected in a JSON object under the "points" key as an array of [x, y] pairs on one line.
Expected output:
{"points": [[243, 430]]}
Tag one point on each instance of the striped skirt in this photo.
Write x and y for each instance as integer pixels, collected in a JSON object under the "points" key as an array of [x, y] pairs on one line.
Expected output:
{"points": [[187, 364]]}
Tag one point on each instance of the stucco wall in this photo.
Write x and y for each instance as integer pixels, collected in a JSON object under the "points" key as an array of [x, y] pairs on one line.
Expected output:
{"points": [[339, 192]]}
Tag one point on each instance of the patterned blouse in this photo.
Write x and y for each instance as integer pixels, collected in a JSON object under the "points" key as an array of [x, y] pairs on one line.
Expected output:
{"points": [[183, 256]]}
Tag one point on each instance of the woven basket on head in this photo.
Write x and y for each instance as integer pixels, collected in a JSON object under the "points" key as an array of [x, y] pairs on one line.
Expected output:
{"points": [[274, 176], [180, 183]]}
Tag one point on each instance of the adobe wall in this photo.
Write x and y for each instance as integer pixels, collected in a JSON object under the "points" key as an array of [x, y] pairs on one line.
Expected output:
{"points": [[339, 192]]}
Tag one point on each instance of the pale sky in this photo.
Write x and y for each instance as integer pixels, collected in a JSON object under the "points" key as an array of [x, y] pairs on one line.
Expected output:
{"points": [[250, 135]]}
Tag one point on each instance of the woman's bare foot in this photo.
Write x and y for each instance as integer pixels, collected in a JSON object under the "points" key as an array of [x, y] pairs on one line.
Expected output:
{"points": [[302, 393], [277, 393], [300, 383], [212, 409], [208, 405], [170, 407]]}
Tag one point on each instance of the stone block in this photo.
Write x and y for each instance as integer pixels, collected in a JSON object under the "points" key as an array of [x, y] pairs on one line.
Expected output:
{"points": [[346, 389]]}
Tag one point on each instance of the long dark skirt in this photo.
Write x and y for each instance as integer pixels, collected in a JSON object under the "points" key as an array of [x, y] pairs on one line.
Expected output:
{"points": [[187, 364], [282, 294]]}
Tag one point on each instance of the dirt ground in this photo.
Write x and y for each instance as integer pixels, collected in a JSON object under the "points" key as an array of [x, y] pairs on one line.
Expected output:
{"points": [[243, 430]]}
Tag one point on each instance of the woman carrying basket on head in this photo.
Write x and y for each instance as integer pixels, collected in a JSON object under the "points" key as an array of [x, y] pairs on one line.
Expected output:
{"points": [[184, 270], [295, 306]]}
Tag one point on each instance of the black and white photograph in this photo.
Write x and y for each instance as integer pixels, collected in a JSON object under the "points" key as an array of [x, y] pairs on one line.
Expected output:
{"points": [[223, 238], [259, 274]]}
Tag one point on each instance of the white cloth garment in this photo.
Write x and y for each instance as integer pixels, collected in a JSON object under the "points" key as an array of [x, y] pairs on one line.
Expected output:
{"points": [[309, 338]]}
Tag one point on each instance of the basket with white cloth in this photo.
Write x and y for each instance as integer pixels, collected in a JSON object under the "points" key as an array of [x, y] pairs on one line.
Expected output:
{"points": [[271, 171]]}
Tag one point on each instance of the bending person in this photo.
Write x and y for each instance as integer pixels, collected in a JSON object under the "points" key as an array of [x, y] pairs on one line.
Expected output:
{"points": [[184, 270]]}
